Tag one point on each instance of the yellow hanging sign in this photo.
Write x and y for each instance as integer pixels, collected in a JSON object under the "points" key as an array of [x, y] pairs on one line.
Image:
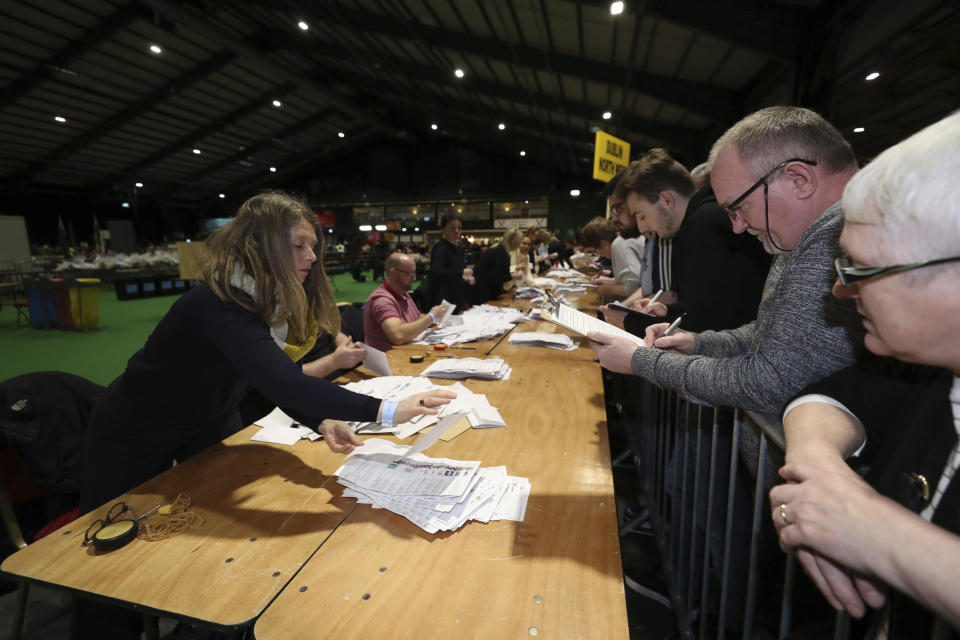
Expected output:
{"points": [[610, 156]]}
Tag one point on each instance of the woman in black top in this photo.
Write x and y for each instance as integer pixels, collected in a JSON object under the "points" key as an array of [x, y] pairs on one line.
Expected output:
{"points": [[445, 279], [493, 268]]}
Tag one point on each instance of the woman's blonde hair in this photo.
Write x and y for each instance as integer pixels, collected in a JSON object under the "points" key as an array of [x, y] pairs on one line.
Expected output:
{"points": [[511, 239], [257, 243]]}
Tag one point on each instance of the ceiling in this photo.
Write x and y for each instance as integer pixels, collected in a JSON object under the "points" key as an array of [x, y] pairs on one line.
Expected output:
{"points": [[672, 73]]}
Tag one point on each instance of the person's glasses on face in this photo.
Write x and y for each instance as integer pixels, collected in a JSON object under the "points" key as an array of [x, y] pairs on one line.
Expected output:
{"points": [[407, 273], [850, 277], [731, 208]]}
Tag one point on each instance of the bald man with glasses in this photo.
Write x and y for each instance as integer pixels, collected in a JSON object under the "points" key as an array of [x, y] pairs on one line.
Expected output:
{"points": [[390, 315], [779, 173]]}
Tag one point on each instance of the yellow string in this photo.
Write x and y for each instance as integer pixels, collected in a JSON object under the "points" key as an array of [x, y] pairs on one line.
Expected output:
{"points": [[181, 517]]}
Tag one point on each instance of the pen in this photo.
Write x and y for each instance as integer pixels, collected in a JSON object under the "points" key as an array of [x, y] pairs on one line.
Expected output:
{"points": [[655, 297], [673, 325]]}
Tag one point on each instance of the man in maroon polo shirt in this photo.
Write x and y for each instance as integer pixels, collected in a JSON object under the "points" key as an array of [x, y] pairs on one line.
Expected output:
{"points": [[390, 316]]}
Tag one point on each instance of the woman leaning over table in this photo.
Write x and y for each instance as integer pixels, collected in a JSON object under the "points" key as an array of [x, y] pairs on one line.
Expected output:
{"points": [[263, 300]]}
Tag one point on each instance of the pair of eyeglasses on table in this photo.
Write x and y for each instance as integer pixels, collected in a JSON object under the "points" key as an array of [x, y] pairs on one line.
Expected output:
{"points": [[115, 530]]}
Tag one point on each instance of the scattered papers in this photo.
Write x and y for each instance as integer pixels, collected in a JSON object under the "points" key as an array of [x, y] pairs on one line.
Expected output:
{"points": [[279, 428], [475, 406], [543, 339], [529, 292], [436, 494], [482, 322], [447, 317], [376, 361], [488, 369]]}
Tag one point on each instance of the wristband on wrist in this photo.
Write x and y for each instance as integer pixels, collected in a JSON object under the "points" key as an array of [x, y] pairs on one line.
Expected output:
{"points": [[432, 317], [389, 408]]}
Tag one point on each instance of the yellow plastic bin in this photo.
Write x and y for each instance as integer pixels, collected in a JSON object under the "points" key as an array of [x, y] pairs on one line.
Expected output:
{"points": [[85, 303]]}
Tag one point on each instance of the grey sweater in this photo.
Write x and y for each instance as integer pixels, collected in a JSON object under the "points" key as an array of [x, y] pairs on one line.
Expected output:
{"points": [[801, 334]]}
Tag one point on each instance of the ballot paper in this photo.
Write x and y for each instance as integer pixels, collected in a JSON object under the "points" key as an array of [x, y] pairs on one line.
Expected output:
{"points": [[448, 318], [441, 428], [436, 494], [481, 322], [488, 369], [376, 361], [279, 428], [581, 323], [543, 339], [528, 292]]}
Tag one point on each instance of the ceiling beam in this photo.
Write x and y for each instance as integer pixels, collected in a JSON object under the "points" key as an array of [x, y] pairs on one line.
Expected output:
{"points": [[127, 115], [190, 139], [59, 62], [715, 103]]}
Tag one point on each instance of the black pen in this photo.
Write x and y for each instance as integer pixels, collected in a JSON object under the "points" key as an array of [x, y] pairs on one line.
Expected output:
{"points": [[673, 325]]}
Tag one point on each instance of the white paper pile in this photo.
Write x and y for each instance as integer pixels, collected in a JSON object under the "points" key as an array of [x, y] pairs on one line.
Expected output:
{"points": [[528, 292], [572, 289], [544, 282], [543, 339], [477, 408], [568, 275], [482, 322], [279, 428], [488, 369], [436, 494]]}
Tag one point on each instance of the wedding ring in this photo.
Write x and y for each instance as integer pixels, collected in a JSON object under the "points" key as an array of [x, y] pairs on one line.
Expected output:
{"points": [[422, 403], [783, 514]]}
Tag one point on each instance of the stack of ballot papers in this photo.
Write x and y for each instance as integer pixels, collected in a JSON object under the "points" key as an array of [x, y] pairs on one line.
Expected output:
{"points": [[436, 494], [488, 369], [543, 339], [279, 428], [481, 322], [528, 292], [474, 408], [572, 289], [568, 275]]}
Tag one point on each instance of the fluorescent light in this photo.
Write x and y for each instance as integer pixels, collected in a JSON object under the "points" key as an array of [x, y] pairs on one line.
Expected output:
{"points": [[872, 76], [329, 230], [196, 152], [501, 126], [222, 196], [138, 185], [273, 169], [458, 72], [416, 228], [616, 8], [365, 227], [523, 153], [155, 48], [277, 104], [404, 229], [381, 227], [125, 205], [434, 127], [607, 115], [60, 119], [303, 25], [858, 129], [574, 192], [341, 134]]}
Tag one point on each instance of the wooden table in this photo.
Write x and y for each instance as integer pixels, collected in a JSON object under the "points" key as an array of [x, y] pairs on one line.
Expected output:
{"points": [[557, 573], [267, 509]]}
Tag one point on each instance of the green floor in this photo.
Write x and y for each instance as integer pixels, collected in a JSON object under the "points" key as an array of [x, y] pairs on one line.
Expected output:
{"points": [[100, 355]]}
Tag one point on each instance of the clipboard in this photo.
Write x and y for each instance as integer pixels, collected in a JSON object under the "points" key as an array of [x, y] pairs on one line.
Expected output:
{"points": [[580, 323]]}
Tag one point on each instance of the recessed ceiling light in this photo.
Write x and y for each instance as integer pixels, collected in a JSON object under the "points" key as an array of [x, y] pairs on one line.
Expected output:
{"points": [[458, 72], [303, 25], [277, 104], [434, 127], [138, 185], [341, 134], [381, 227], [273, 169], [416, 228], [196, 152], [501, 126], [574, 192], [607, 115], [60, 119], [125, 205], [222, 196], [155, 48], [858, 129], [365, 227], [523, 153], [616, 8], [872, 76]]}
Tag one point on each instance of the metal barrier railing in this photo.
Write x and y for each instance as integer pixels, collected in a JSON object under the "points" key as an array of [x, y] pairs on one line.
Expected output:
{"points": [[706, 474]]}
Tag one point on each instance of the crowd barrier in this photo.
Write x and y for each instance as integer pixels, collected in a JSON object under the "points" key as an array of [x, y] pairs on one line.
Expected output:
{"points": [[705, 475]]}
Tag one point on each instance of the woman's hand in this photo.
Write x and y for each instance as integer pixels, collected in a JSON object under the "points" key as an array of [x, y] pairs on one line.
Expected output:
{"points": [[422, 403], [679, 341], [348, 355], [655, 308], [339, 436]]}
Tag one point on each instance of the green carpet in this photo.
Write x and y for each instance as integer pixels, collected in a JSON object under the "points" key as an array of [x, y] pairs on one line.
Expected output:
{"points": [[100, 355]]}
